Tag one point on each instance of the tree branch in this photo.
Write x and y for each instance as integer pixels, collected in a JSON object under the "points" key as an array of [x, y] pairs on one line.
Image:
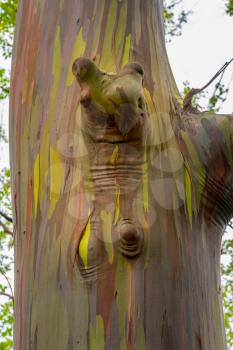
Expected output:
{"points": [[7, 295], [5, 228], [187, 104], [8, 282], [8, 218], [230, 225]]}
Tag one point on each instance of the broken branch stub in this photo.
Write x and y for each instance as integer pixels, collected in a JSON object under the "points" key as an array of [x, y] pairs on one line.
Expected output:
{"points": [[114, 125]]}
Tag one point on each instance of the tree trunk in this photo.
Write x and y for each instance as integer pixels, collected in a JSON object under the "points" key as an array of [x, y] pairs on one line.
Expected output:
{"points": [[120, 201]]}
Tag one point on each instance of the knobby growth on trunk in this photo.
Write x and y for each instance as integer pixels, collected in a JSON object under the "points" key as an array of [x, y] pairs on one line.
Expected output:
{"points": [[120, 194]]}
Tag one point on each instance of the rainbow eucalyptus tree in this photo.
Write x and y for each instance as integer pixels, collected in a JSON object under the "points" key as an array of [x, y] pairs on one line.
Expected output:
{"points": [[121, 191]]}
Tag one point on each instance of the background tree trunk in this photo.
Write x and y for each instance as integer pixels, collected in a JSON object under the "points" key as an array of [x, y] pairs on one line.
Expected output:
{"points": [[168, 297]]}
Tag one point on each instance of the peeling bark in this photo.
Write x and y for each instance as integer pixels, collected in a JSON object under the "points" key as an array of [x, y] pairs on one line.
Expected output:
{"points": [[120, 201]]}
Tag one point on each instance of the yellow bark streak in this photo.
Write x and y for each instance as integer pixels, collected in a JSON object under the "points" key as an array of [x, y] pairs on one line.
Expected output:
{"points": [[107, 61], [114, 155], [197, 164], [126, 50], [145, 180], [121, 27], [36, 183], [45, 140], [97, 335], [83, 247], [78, 51], [117, 208]]}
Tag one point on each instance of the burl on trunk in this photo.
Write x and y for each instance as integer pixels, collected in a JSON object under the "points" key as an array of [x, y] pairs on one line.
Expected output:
{"points": [[120, 194]]}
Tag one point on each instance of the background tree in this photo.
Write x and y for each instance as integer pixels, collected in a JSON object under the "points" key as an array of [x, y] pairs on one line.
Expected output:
{"points": [[7, 22], [230, 7], [6, 262], [6, 258], [227, 289], [173, 20], [8, 10]]}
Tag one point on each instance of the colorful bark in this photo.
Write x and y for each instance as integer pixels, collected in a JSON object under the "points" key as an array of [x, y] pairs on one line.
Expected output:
{"points": [[82, 195]]}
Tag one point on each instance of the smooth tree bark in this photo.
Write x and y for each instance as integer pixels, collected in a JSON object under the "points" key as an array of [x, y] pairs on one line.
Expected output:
{"points": [[121, 192]]}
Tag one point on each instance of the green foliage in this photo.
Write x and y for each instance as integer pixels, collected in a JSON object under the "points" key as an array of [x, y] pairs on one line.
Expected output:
{"points": [[6, 264], [214, 102], [196, 101], [8, 10], [219, 96], [174, 22], [5, 191], [4, 83], [227, 290], [229, 7], [6, 322], [6, 239]]}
